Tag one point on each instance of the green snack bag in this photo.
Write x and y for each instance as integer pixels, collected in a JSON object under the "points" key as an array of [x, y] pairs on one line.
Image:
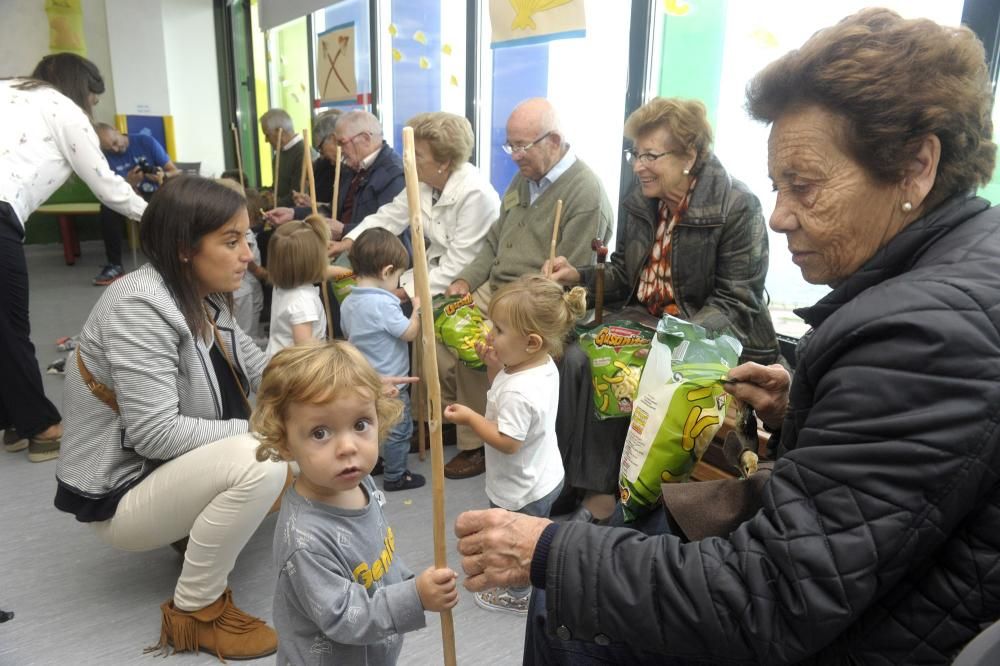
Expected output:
{"points": [[342, 287], [459, 325], [681, 405], [617, 352]]}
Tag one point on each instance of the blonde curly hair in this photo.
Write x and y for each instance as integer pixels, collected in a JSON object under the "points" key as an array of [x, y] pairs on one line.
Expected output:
{"points": [[536, 304], [313, 374]]}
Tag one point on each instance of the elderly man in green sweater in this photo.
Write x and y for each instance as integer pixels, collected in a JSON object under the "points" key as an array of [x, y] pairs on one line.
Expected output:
{"points": [[292, 149], [518, 243]]}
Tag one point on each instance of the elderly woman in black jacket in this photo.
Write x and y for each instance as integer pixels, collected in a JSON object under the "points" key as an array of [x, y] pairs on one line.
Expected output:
{"points": [[691, 242], [878, 540]]}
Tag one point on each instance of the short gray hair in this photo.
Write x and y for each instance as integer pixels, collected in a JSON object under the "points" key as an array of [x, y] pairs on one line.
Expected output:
{"points": [[360, 121], [324, 125], [275, 119]]}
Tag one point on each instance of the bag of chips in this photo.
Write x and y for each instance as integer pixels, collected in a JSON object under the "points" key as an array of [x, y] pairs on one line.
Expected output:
{"points": [[459, 324], [681, 405], [342, 287], [617, 352]]}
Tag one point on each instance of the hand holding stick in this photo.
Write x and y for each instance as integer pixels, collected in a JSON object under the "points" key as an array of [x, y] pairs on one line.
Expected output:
{"points": [[602, 255], [555, 237], [429, 372]]}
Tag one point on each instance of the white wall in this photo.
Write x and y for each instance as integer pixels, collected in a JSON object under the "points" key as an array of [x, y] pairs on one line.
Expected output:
{"points": [[193, 82], [26, 40], [138, 63]]}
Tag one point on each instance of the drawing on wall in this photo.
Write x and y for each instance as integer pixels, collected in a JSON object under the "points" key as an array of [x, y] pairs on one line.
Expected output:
{"points": [[517, 22], [66, 27], [335, 65]]}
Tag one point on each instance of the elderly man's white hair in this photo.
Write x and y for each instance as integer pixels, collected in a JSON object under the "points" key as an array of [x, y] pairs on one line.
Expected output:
{"points": [[359, 120], [274, 119]]}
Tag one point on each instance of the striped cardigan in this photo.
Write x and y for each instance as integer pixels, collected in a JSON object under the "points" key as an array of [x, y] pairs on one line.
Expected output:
{"points": [[137, 342]]}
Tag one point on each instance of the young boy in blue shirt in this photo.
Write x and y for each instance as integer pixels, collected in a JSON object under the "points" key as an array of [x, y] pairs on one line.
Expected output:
{"points": [[373, 320]]}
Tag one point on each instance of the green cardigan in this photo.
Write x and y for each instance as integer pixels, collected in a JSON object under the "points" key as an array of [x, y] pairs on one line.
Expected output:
{"points": [[290, 173], [518, 242]]}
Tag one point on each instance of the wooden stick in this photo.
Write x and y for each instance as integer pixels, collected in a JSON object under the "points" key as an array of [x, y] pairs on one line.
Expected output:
{"points": [[429, 374], [309, 170], [336, 186], [277, 163], [239, 154], [306, 154], [420, 399], [555, 237], [325, 287]]}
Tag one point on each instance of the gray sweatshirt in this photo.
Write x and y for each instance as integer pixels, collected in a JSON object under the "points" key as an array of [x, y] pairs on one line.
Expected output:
{"points": [[343, 595]]}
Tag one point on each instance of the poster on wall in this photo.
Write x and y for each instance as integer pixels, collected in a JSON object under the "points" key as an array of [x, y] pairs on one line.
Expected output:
{"points": [[335, 79], [520, 22], [66, 27]]}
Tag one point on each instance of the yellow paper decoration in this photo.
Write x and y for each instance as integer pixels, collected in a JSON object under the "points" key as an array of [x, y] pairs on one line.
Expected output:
{"points": [[454, 80], [397, 55], [446, 49], [424, 63], [676, 7], [764, 38], [420, 37], [392, 30]]}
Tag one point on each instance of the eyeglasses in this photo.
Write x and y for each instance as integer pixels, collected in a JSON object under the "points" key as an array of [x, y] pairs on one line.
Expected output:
{"points": [[511, 150], [645, 158], [343, 142]]}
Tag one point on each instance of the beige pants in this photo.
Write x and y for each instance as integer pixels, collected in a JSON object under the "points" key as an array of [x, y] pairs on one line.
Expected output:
{"points": [[464, 385], [217, 495]]}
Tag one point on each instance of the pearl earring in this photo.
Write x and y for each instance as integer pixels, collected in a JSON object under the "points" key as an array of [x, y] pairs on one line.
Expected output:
{"points": [[686, 172], [439, 170], [907, 206]]}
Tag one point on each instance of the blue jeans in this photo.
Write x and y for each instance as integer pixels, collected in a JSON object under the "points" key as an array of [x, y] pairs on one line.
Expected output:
{"points": [[397, 442], [541, 509]]}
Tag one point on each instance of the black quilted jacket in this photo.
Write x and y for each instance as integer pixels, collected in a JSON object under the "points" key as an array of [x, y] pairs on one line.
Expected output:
{"points": [[879, 540]]}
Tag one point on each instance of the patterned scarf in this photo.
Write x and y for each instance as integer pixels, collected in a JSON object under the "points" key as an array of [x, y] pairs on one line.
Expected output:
{"points": [[655, 290]]}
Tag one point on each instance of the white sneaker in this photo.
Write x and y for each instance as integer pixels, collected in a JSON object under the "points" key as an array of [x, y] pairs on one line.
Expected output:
{"points": [[500, 599]]}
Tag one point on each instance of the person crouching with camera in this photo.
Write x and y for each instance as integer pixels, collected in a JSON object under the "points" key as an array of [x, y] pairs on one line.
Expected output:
{"points": [[142, 161]]}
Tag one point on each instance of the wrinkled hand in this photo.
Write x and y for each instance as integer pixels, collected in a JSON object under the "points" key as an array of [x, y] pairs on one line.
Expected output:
{"points": [[562, 272], [336, 248], [487, 353], [300, 199], [337, 230], [497, 546], [458, 288], [280, 215], [763, 387], [437, 589], [457, 413]]}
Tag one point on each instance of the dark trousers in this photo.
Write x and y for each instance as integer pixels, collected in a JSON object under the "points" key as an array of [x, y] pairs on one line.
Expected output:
{"points": [[112, 229], [23, 404]]}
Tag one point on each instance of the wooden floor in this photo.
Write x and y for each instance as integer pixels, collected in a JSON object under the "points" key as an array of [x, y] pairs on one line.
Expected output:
{"points": [[78, 601]]}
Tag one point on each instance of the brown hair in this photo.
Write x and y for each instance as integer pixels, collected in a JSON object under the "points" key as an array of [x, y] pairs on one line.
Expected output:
{"points": [[185, 210], [895, 81], [536, 304], [312, 374], [685, 119], [449, 136], [296, 253], [70, 74], [375, 249]]}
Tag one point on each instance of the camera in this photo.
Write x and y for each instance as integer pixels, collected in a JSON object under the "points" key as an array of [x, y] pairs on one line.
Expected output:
{"points": [[145, 166]]}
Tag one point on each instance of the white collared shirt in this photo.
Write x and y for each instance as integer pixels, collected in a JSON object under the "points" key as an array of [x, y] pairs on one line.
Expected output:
{"points": [[46, 137], [294, 142], [536, 189]]}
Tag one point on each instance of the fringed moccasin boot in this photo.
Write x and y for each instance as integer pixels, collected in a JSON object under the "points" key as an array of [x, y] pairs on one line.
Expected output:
{"points": [[220, 628]]}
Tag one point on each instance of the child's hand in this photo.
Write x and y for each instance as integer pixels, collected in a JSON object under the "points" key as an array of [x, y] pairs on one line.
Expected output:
{"points": [[488, 355], [415, 301], [457, 413], [437, 589]]}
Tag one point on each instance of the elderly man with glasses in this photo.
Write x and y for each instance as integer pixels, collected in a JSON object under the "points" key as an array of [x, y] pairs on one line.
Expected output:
{"points": [[518, 243]]}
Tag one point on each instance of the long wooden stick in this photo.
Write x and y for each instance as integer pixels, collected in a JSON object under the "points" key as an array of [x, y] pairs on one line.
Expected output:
{"points": [[306, 154], [429, 372], [420, 400], [336, 186], [277, 163], [239, 153], [555, 237], [309, 171]]}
